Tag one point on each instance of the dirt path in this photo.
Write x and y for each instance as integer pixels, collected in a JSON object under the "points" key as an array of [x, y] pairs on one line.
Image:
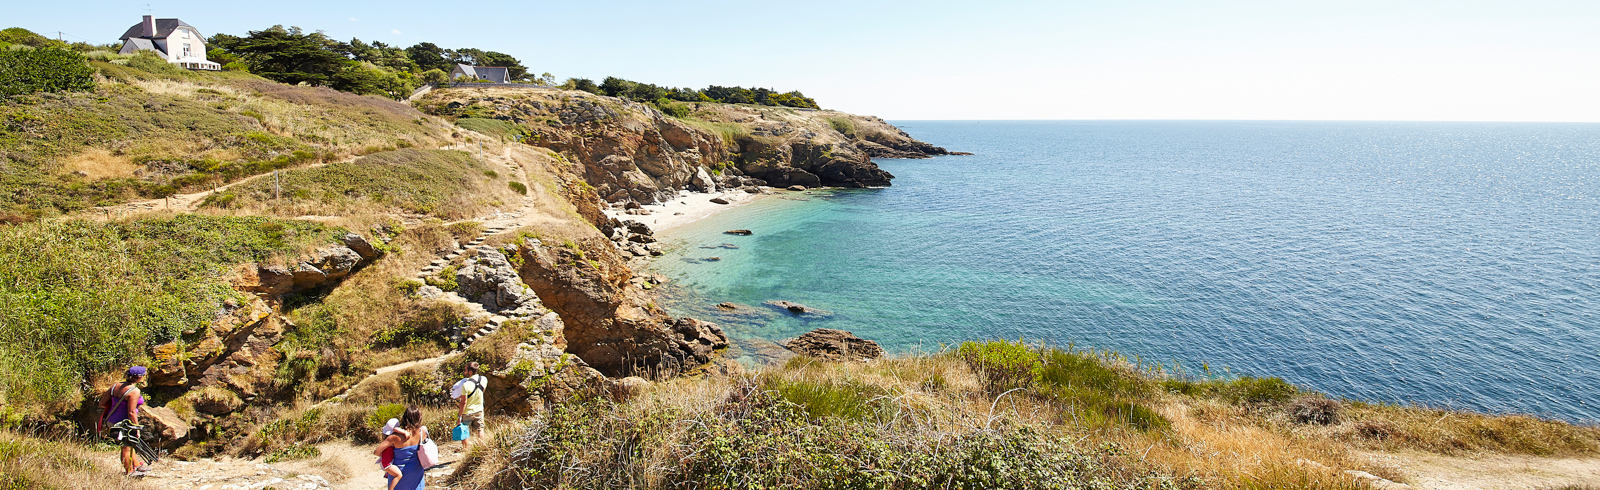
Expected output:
{"points": [[1430, 471], [342, 465]]}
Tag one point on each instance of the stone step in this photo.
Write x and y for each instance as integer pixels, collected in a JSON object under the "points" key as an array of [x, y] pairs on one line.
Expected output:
{"points": [[438, 262], [452, 256]]}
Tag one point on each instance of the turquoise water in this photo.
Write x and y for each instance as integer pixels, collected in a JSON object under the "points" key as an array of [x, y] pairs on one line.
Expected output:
{"points": [[1450, 264]]}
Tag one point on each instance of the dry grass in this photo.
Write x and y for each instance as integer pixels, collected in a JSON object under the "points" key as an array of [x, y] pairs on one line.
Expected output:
{"points": [[99, 164], [1452, 432], [27, 462]]}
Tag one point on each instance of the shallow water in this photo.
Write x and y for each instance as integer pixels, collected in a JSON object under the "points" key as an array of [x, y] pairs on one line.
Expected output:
{"points": [[1451, 264]]}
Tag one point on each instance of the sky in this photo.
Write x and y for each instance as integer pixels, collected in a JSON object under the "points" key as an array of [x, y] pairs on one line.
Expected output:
{"points": [[1460, 60]]}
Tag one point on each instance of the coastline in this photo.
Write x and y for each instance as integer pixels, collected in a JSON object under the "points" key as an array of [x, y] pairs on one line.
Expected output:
{"points": [[687, 208]]}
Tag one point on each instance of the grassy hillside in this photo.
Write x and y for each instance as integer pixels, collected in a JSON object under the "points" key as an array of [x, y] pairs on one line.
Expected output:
{"points": [[447, 184], [151, 130], [79, 297]]}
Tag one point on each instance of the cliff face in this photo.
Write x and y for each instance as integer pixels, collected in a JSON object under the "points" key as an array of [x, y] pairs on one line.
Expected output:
{"points": [[632, 152], [609, 322]]}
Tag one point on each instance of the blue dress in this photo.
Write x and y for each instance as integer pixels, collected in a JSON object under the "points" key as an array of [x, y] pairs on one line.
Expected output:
{"points": [[410, 468]]}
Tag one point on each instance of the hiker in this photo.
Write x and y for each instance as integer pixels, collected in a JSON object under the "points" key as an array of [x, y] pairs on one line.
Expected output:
{"points": [[468, 394], [393, 436], [119, 411], [407, 451]]}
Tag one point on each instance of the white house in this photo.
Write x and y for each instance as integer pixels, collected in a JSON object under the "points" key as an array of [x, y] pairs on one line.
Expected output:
{"points": [[496, 74], [176, 41]]}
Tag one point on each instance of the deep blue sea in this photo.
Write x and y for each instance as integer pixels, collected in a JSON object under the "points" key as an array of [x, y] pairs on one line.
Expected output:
{"points": [[1446, 264]]}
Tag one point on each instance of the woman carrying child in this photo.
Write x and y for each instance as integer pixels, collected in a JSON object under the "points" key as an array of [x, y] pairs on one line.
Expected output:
{"points": [[403, 440]]}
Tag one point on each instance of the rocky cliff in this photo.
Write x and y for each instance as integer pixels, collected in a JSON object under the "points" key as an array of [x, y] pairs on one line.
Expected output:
{"points": [[633, 152]]}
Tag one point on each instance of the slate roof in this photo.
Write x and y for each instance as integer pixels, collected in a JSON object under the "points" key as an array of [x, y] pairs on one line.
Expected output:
{"points": [[164, 28], [493, 73], [135, 45]]}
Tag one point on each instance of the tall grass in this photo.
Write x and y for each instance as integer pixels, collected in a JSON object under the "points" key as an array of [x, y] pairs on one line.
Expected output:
{"points": [[731, 133]]}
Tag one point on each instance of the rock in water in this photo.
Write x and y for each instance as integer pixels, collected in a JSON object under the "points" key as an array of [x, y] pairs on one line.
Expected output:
{"points": [[795, 308], [797, 187], [728, 306], [739, 232], [834, 345]]}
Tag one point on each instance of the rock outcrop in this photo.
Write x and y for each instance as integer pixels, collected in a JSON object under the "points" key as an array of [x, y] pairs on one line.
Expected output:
{"points": [[834, 345], [631, 152], [609, 322]]}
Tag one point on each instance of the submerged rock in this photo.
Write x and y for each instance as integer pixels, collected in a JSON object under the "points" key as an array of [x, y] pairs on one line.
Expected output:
{"points": [[834, 345], [739, 232], [795, 308]]}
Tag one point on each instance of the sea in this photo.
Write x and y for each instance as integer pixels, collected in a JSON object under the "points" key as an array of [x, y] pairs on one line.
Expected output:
{"points": [[1452, 265]]}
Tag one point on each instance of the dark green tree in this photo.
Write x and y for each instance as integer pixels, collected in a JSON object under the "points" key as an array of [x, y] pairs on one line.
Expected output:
{"points": [[514, 68], [429, 56], [288, 55]]}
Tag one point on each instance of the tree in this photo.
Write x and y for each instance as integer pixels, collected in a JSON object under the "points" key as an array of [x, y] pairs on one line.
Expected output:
{"points": [[434, 77], [428, 56], [583, 84], [546, 79], [47, 69], [289, 55], [514, 68]]}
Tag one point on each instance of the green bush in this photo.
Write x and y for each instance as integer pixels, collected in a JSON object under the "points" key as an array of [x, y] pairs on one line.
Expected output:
{"points": [[519, 187], [672, 108], [1002, 365], [843, 125], [25, 71], [150, 62]]}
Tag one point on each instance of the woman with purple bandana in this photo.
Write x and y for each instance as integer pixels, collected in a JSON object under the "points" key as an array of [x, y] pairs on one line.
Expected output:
{"points": [[119, 411]]}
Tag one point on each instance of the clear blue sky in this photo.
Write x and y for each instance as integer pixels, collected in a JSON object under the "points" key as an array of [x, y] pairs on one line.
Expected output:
{"points": [[1527, 60]]}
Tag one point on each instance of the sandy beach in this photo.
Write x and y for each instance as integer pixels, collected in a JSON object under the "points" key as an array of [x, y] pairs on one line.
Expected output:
{"points": [[687, 208]]}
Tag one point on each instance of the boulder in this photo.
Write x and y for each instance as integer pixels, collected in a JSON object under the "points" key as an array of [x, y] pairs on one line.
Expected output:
{"points": [[359, 244], [637, 228], [718, 200], [728, 306], [169, 429], [626, 388], [834, 345], [797, 187], [739, 232]]}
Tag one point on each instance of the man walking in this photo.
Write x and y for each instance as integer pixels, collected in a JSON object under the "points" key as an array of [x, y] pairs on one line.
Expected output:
{"points": [[468, 394]]}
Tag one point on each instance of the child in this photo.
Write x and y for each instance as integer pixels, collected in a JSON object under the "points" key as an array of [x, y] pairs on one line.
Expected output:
{"points": [[386, 460]]}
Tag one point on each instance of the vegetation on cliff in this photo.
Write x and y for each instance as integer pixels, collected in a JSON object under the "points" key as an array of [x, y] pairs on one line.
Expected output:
{"points": [[983, 415], [80, 297]]}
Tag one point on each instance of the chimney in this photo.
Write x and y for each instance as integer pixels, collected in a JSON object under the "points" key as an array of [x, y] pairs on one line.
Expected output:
{"points": [[149, 27]]}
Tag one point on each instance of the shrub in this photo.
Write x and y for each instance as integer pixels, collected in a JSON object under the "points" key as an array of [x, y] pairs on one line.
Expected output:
{"points": [[1315, 410], [518, 186], [1001, 364], [843, 125], [25, 71], [1258, 390]]}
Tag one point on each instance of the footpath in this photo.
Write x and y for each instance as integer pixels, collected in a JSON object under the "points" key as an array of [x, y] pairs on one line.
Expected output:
{"points": [[342, 465]]}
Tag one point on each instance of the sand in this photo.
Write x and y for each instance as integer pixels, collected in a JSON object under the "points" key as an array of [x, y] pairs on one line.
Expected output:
{"points": [[687, 208]]}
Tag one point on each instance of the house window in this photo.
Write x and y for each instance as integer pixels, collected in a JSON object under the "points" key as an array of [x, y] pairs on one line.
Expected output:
{"points": [[186, 50]]}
